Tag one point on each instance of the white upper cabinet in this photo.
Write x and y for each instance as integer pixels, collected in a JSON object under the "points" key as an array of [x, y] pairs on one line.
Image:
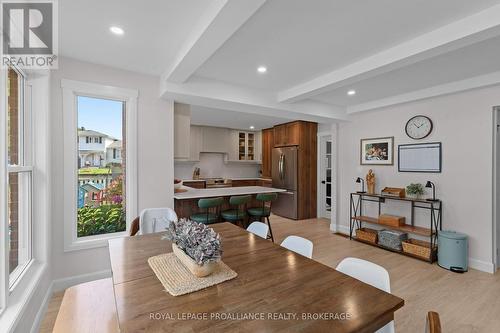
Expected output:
{"points": [[215, 140], [195, 143], [244, 146], [182, 129]]}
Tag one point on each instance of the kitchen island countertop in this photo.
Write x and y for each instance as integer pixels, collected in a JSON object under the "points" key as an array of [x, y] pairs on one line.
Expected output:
{"points": [[193, 193]]}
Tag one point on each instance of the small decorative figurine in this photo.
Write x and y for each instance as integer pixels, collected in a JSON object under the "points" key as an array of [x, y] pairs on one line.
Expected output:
{"points": [[370, 182]]}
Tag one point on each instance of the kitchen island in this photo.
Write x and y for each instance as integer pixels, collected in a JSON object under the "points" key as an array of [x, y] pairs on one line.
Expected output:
{"points": [[186, 203]]}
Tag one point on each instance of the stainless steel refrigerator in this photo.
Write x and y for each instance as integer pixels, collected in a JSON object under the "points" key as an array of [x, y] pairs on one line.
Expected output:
{"points": [[285, 173]]}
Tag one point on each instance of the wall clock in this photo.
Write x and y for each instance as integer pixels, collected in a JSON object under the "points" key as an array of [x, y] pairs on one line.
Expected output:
{"points": [[418, 127]]}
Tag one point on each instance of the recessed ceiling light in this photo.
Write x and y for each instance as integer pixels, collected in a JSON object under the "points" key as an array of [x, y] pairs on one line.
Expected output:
{"points": [[262, 69], [116, 30], [351, 92], [252, 127]]}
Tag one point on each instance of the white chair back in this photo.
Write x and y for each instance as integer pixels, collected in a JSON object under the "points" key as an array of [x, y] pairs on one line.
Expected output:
{"points": [[258, 228], [369, 273], [155, 220], [298, 245]]}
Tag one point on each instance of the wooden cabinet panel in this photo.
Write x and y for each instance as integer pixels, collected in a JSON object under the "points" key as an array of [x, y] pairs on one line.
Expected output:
{"points": [[267, 150], [195, 183], [244, 182], [279, 135], [266, 182], [293, 133], [287, 134]]}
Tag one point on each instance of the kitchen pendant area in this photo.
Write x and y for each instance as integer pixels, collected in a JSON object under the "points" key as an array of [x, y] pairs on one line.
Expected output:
{"points": [[273, 153]]}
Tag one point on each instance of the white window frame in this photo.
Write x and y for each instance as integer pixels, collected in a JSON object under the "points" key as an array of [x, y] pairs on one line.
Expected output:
{"points": [[25, 166], [71, 90], [13, 298]]}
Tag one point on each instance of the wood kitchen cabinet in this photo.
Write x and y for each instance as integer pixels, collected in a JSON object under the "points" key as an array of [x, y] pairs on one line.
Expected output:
{"points": [[195, 183], [287, 134], [244, 182], [267, 151], [302, 134]]}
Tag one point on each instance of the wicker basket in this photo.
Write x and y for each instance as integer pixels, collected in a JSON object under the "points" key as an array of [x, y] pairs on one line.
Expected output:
{"points": [[417, 248], [367, 235]]}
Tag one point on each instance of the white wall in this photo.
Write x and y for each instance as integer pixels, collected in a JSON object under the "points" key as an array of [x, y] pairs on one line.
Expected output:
{"points": [[212, 165], [463, 123], [155, 155]]}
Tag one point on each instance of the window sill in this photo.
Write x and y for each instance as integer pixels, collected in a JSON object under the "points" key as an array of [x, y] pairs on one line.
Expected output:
{"points": [[92, 242], [21, 295]]}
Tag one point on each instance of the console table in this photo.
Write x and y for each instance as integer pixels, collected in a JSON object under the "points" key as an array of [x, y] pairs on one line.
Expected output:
{"points": [[435, 209]]}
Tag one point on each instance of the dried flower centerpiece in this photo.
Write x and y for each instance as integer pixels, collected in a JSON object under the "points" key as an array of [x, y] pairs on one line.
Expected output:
{"points": [[197, 246]]}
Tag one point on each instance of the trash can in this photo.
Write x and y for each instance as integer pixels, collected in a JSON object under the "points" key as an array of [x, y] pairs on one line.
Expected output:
{"points": [[453, 251]]}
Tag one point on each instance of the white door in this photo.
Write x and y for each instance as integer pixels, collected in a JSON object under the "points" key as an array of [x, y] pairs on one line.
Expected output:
{"points": [[325, 176]]}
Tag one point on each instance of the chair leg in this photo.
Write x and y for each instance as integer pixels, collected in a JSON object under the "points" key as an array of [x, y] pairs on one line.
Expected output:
{"points": [[270, 230]]}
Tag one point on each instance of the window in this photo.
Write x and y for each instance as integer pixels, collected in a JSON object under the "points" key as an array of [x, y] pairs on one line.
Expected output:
{"points": [[111, 111], [114, 153], [19, 180], [101, 210]]}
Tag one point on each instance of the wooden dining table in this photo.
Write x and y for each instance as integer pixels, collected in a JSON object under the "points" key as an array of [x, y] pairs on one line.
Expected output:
{"points": [[276, 290]]}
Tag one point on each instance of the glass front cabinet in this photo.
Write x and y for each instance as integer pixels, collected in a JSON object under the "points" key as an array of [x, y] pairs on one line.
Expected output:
{"points": [[245, 146]]}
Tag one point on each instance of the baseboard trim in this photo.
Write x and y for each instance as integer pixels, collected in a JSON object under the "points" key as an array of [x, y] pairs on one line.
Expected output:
{"points": [[483, 266], [64, 283], [61, 284], [40, 315], [341, 229]]}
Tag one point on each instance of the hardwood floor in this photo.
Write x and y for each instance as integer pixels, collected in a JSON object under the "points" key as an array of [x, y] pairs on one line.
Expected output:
{"points": [[467, 302]]}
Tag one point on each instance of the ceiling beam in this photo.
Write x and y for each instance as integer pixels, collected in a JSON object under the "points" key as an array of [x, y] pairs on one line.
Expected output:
{"points": [[219, 23], [220, 95], [467, 31], [476, 82]]}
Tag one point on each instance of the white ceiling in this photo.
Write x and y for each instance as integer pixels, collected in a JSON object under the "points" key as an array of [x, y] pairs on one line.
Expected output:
{"points": [[298, 40], [154, 31], [201, 115], [477, 59], [206, 53]]}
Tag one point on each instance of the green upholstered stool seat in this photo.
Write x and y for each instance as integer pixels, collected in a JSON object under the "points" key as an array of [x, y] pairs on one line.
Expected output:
{"points": [[205, 218], [259, 211], [233, 215], [236, 215], [208, 217]]}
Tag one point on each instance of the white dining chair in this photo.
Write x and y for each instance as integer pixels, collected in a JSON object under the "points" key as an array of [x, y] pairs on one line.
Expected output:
{"points": [[298, 245], [155, 220], [369, 273], [258, 228]]}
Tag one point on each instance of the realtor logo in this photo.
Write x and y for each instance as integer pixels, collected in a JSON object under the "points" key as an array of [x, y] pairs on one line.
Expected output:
{"points": [[29, 34]]}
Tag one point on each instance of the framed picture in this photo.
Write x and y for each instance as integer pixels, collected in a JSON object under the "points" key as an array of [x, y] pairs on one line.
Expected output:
{"points": [[420, 157], [377, 151]]}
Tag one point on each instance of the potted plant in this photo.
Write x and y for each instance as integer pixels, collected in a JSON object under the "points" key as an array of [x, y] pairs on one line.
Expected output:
{"points": [[197, 246], [414, 191]]}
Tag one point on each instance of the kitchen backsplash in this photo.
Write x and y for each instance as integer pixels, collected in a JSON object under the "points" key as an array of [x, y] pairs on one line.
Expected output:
{"points": [[212, 165]]}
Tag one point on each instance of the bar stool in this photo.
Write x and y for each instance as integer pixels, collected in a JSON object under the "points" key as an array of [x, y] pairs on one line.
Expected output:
{"points": [[208, 217], [263, 213], [237, 215]]}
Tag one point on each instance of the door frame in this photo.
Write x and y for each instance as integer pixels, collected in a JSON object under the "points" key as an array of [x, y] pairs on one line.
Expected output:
{"points": [[496, 210], [333, 203]]}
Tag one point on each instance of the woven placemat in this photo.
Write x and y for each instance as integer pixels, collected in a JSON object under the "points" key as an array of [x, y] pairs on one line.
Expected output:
{"points": [[178, 280]]}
